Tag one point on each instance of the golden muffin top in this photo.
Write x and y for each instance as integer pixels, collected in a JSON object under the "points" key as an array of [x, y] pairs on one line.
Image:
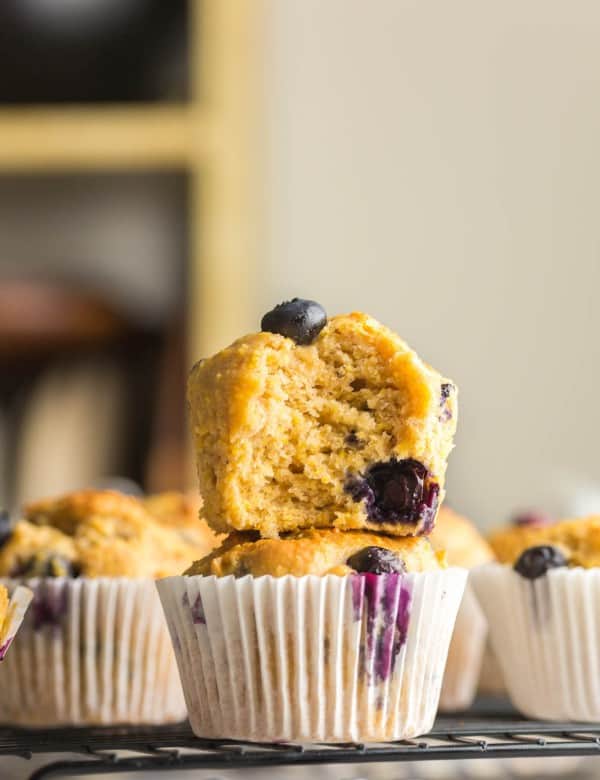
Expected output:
{"points": [[102, 533], [318, 552], [577, 538], [349, 429], [462, 542]]}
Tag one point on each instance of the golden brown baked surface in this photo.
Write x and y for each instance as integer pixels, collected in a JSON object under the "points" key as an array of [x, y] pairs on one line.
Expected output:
{"points": [[316, 552], [102, 533], [461, 540], [352, 432], [182, 513], [577, 538], [3, 607]]}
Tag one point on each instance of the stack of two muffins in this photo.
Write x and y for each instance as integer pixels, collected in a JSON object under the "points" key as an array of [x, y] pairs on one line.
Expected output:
{"points": [[325, 614]]}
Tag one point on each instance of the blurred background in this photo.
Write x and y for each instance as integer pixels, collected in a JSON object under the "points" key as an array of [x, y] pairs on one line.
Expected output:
{"points": [[169, 171]]}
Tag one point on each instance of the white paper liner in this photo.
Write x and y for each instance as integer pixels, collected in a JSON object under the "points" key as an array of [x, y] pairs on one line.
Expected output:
{"points": [[91, 651], [491, 682], [546, 636], [356, 658], [17, 607], [464, 656]]}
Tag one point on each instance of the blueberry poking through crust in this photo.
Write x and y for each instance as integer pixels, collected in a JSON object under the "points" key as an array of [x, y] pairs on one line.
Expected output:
{"points": [[536, 561], [376, 560], [532, 519], [298, 319], [397, 491], [5, 527], [445, 391]]}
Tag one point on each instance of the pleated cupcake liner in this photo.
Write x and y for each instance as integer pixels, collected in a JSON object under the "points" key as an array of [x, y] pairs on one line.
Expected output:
{"points": [[356, 658], [19, 602], [91, 652], [546, 636], [465, 656]]}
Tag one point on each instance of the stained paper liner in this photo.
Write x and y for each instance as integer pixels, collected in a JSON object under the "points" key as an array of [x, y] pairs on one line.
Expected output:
{"points": [[91, 651], [546, 636], [355, 658], [464, 656], [17, 607]]}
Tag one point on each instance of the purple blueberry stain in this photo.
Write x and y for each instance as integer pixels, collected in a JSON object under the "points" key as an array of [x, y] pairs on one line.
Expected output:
{"points": [[388, 600], [49, 606], [446, 390], [196, 609], [4, 647], [397, 491]]}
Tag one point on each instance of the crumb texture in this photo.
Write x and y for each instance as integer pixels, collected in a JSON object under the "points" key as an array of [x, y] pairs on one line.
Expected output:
{"points": [[284, 433]]}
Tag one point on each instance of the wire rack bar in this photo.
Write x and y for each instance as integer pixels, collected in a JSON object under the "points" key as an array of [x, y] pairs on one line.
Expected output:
{"points": [[480, 735]]}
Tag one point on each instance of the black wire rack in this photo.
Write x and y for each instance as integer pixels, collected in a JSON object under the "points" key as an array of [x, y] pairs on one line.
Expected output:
{"points": [[483, 733]]}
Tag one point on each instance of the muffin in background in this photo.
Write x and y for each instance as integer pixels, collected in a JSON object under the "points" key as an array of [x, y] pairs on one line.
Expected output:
{"points": [[466, 547], [541, 604], [94, 648]]}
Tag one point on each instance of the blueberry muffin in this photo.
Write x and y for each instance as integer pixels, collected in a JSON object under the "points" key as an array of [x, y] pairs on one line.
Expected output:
{"points": [[464, 546], [94, 647], [541, 604], [105, 534], [321, 423], [318, 552], [317, 635]]}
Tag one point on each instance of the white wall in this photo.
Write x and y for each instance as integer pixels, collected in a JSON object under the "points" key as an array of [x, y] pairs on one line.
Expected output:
{"points": [[437, 164]]}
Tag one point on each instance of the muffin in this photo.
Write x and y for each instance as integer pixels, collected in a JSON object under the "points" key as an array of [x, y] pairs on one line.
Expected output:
{"points": [[12, 612], [466, 547], [320, 634], [325, 614], [541, 604], [94, 648], [351, 430]]}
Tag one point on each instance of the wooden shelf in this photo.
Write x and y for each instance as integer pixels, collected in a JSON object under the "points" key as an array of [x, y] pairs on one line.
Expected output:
{"points": [[69, 138]]}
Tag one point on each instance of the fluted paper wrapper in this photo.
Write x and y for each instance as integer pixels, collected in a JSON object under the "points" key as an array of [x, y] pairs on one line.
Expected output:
{"points": [[355, 658], [464, 656], [546, 636], [19, 601], [91, 651]]}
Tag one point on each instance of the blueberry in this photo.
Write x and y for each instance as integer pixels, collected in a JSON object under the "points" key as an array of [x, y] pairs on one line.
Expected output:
{"points": [[298, 319], [5, 527], [397, 491], [536, 561], [532, 519], [353, 441], [376, 560]]}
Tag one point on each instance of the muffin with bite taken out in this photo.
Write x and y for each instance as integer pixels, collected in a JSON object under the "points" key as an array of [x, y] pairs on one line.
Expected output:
{"points": [[325, 614]]}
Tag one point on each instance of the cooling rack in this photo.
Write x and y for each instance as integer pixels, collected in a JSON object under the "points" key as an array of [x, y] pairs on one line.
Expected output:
{"points": [[485, 732]]}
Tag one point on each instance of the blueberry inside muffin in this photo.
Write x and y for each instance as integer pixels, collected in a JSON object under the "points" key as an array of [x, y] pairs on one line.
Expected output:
{"points": [[323, 423]]}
